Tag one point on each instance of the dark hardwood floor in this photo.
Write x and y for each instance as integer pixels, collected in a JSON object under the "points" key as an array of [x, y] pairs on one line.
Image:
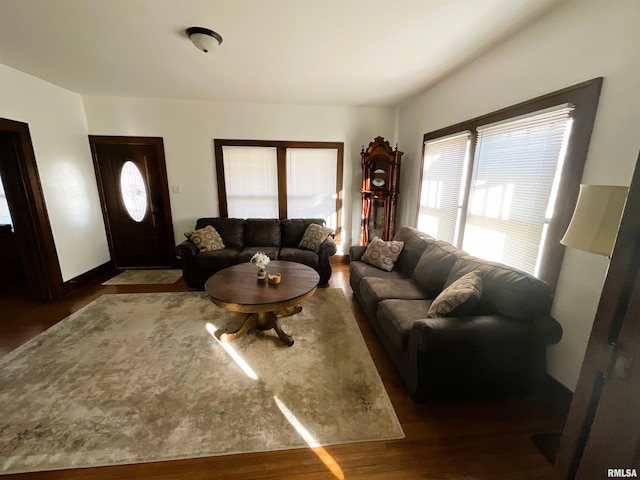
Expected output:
{"points": [[488, 439]]}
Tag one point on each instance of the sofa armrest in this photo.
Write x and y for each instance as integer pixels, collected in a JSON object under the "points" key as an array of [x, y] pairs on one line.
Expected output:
{"points": [[328, 247], [186, 250], [548, 330], [356, 252], [460, 333]]}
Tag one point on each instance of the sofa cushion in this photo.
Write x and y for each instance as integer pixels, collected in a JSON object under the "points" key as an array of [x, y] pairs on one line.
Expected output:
{"points": [[216, 260], [248, 252], [262, 232], [505, 290], [396, 318], [459, 298], [313, 237], [359, 270], [382, 254], [230, 229], [207, 239], [292, 230], [375, 289], [415, 242], [433, 268], [299, 255]]}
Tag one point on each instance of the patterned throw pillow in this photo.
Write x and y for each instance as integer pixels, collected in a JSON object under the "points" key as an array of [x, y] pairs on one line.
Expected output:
{"points": [[207, 239], [459, 298], [382, 254], [313, 237]]}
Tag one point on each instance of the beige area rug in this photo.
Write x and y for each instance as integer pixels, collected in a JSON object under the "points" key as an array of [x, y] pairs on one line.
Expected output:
{"points": [[145, 277], [138, 378]]}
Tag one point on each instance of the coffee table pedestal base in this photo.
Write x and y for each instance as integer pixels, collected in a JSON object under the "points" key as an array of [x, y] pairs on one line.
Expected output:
{"points": [[264, 321]]}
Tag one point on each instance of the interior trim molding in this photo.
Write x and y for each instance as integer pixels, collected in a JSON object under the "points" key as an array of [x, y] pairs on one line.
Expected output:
{"points": [[101, 272]]}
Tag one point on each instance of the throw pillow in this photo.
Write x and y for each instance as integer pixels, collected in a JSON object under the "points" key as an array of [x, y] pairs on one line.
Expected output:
{"points": [[382, 254], [207, 239], [313, 237], [459, 298]]}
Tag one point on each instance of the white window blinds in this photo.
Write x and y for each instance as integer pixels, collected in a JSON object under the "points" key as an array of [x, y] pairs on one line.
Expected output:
{"points": [[311, 183], [442, 191], [251, 181], [516, 165]]}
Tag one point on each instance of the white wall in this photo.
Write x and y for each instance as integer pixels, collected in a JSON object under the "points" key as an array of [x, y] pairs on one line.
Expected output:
{"points": [[189, 128], [580, 40], [59, 135]]}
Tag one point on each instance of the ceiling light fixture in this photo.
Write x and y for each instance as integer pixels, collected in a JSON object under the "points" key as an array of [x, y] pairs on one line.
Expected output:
{"points": [[203, 38]]}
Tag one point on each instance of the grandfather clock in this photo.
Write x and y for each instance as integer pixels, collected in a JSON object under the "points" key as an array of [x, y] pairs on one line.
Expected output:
{"points": [[380, 180]]}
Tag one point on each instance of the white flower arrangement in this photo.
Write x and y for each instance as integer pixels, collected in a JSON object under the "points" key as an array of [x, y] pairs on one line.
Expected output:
{"points": [[260, 260]]}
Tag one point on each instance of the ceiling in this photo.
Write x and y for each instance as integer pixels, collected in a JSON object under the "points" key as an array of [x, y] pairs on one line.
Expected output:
{"points": [[326, 52]]}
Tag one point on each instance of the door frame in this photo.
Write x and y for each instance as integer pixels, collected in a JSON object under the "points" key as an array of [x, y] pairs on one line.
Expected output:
{"points": [[158, 144], [42, 271], [607, 328]]}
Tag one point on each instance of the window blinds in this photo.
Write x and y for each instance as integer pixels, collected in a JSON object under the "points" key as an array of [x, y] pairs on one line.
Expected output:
{"points": [[311, 183], [442, 190], [251, 181], [516, 164]]}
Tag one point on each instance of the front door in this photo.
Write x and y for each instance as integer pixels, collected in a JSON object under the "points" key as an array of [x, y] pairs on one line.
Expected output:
{"points": [[132, 180]]}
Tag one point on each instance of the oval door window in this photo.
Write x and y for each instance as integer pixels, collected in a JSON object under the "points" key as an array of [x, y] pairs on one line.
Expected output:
{"points": [[133, 191]]}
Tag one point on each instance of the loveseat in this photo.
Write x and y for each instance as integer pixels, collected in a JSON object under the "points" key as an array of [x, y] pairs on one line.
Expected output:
{"points": [[494, 342], [242, 238]]}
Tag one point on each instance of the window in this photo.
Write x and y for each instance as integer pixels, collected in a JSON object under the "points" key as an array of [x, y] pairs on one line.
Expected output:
{"points": [[274, 179], [502, 187]]}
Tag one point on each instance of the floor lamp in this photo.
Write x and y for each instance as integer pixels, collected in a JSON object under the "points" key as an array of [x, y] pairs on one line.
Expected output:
{"points": [[593, 228]]}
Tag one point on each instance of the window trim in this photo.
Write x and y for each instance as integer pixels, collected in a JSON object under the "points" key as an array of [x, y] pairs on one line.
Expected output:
{"points": [[281, 148], [584, 96]]}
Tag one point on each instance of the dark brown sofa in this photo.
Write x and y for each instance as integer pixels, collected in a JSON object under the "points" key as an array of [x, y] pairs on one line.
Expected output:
{"points": [[498, 347], [242, 238]]}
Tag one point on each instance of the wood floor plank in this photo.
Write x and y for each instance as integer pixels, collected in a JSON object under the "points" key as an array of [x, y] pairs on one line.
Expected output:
{"points": [[488, 439]]}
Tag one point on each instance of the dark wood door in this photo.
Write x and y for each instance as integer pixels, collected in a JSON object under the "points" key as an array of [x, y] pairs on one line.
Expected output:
{"points": [[602, 431], [132, 180], [34, 243]]}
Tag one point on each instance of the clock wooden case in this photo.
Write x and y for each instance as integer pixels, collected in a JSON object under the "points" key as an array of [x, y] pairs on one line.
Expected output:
{"points": [[380, 180]]}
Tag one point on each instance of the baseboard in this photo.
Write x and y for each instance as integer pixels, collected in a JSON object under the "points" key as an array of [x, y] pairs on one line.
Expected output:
{"points": [[98, 273], [556, 395], [335, 259]]}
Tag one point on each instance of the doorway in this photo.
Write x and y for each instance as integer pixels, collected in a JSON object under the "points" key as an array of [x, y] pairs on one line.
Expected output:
{"points": [[134, 193], [33, 261]]}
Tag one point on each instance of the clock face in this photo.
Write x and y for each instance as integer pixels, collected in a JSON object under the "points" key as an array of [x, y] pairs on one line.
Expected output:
{"points": [[379, 178]]}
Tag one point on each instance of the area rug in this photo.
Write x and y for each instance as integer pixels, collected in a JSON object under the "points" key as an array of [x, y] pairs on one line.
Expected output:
{"points": [[145, 277], [139, 377]]}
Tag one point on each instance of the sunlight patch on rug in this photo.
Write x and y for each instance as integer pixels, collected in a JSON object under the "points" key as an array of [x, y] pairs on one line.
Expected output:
{"points": [[145, 277], [138, 378]]}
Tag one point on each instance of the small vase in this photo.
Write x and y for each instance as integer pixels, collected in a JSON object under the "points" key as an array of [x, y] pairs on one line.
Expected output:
{"points": [[262, 273]]}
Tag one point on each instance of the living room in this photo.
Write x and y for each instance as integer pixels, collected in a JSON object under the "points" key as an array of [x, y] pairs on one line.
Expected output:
{"points": [[570, 42]]}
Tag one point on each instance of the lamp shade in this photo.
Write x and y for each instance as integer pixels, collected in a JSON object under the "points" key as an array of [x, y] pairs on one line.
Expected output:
{"points": [[594, 225]]}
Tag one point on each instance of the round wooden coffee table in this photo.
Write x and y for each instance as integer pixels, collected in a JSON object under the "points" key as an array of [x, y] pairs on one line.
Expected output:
{"points": [[238, 289]]}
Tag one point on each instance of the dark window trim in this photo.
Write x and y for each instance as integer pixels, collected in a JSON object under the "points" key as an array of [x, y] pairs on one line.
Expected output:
{"points": [[584, 96], [281, 147]]}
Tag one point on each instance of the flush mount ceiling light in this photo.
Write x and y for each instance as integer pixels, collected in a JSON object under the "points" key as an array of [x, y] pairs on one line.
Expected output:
{"points": [[203, 38]]}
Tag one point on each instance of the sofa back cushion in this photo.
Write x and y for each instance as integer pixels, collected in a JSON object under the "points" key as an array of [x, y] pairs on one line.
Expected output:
{"points": [[230, 229], [433, 267], [415, 242], [505, 290], [292, 230], [262, 232]]}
